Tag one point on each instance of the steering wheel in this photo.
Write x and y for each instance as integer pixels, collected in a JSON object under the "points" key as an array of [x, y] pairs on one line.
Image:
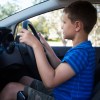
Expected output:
{"points": [[27, 23], [30, 51]]}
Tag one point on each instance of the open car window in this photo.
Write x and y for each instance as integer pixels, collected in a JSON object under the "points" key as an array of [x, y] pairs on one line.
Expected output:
{"points": [[49, 24]]}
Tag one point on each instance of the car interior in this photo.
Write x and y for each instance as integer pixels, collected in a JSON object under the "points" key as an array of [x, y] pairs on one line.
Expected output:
{"points": [[17, 59]]}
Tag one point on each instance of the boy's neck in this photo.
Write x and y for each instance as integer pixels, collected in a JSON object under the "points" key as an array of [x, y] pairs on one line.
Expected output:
{"points": [[81, 37]]}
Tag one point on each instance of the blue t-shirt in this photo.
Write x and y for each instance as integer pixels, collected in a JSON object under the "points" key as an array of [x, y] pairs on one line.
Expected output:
{"points": [[81, 58]]}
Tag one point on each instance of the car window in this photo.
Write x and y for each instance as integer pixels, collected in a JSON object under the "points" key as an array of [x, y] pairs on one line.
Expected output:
{"points": [[95, 33], [10, 7], [49, 24]]}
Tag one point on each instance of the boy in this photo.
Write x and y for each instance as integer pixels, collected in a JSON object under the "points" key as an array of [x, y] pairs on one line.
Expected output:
{"points": [[71, 78]]}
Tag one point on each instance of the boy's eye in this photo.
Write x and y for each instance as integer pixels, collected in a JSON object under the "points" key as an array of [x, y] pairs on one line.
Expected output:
{"points": [[64, 22]]}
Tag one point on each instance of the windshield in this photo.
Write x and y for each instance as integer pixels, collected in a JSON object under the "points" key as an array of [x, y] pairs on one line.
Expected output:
{"points": [[9, 7]]}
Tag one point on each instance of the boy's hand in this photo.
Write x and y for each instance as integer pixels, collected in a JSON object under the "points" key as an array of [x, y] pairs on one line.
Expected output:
{"points": [[28, 38], [42, 39], [44, 42]]}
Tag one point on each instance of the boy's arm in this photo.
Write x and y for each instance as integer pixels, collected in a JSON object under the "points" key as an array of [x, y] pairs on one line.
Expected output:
{"points": [[54, 60], [50, 77]]}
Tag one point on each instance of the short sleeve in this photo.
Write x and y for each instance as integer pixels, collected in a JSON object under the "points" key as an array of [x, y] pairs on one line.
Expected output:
{"points": [[77, 59]]}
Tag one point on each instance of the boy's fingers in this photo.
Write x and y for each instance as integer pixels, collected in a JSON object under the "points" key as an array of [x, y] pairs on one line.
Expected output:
{"points": [[39, 34], [23, 30], [19, 34]]}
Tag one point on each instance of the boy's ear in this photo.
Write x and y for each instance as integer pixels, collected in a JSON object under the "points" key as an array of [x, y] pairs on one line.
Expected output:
{"points": [[78, 26]]}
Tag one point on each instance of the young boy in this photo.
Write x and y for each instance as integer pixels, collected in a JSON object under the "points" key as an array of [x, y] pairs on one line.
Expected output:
{"points": [[71, 78]]}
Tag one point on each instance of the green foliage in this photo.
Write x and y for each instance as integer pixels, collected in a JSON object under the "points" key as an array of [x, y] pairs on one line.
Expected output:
{"points": [[7, 10], [40, 25]]}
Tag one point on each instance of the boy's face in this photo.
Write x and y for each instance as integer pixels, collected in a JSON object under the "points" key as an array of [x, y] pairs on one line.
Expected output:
{"points": [[68, 27]]}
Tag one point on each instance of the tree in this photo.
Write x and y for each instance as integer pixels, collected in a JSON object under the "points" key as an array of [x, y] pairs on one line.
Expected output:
{"points": [[7, 10], [47, 22], [41, 25]]}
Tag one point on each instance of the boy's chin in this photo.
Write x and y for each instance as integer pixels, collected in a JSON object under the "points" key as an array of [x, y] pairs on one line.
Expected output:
{"points": [[64, 37], [67, 38]]}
